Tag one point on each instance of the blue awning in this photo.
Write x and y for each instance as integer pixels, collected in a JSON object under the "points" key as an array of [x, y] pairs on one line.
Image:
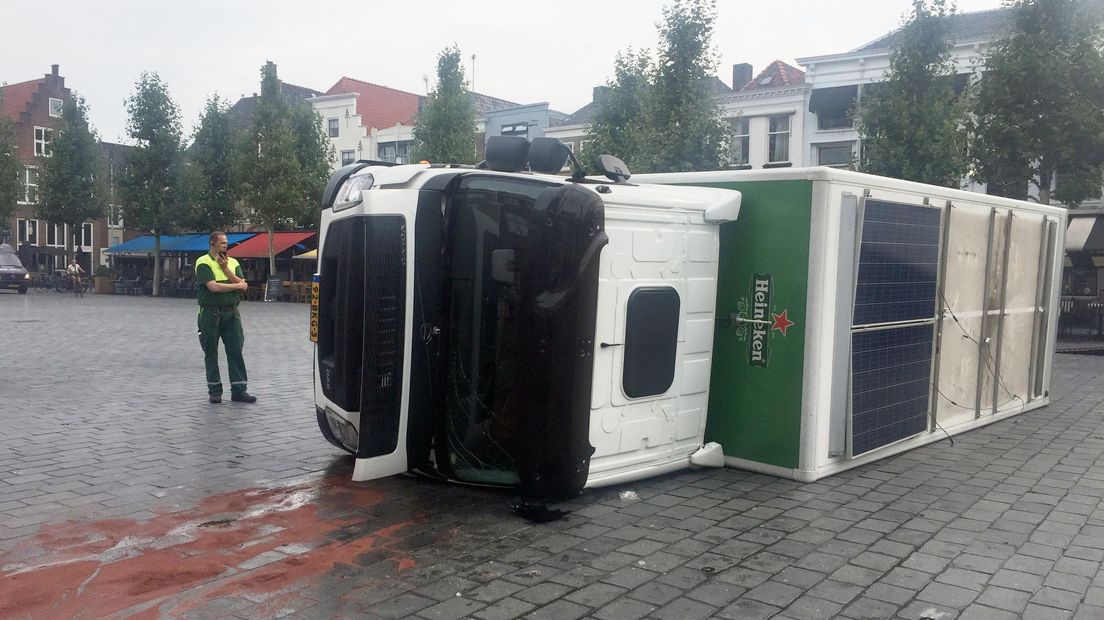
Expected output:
{"points": [[138, 246], [188, 243]]}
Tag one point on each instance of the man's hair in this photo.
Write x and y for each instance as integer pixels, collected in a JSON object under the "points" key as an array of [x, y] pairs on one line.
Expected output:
{"points": [[213, 237]]}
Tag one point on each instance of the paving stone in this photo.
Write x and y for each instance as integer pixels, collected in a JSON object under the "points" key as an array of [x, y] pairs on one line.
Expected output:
{"points": [[1041, 612], [1004, 598], [625, 609], [981, 612], [504, 609], [870, 609], [684, 609], [717, 594], [559, 610], [774, 593], [945, 594], [1016, 580], [747, 609]]}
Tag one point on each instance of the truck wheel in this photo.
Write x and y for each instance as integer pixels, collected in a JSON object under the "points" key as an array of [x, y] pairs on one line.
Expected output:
{"points": [[22, 290]]}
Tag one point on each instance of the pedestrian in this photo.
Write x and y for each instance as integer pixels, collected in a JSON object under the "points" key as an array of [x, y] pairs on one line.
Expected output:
{"points": [[219, 285]]}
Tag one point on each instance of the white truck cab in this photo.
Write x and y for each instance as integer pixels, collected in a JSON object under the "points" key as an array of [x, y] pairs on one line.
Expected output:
{"points": [[494, 325]]}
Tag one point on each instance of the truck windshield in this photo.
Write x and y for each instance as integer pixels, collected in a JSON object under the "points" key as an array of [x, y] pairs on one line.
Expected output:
{"points": [[486, 214]]}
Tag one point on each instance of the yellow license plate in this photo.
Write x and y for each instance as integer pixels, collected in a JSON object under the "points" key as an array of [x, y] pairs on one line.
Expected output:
{"points": [[314, 312]]}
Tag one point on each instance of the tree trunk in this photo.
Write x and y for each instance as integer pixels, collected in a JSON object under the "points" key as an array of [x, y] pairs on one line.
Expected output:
{"points": [[156, 265], [271, 254]]}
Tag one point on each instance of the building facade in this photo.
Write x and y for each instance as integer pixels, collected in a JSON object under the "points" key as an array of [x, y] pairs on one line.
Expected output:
{"points": [[35, 109]]}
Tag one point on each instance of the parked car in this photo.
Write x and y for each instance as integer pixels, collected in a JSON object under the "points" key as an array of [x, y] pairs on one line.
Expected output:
{"points": [[12, 273]]}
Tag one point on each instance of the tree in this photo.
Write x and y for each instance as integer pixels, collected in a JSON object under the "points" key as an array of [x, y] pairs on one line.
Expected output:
{"points": [[314, 151], [1038, 106], [445, 129], [151, 188], [911, 125], [663, 116], [281, 160], [207, 172], [11, 174], [684, 129], [71, 188], [618, 125]]}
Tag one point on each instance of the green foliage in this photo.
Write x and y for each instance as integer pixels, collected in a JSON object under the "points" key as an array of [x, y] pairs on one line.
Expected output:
{"points": [[684, 126], [314, 152], [71, 188], [618, 126], [663, 116], [207, 172], [445, 129], [1038, 107], [911, 124], [151, 188], [281, 161], [11, 174]]}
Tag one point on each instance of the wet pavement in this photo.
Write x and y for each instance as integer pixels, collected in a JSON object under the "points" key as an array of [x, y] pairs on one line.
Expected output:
{"points": [[123, 493]]}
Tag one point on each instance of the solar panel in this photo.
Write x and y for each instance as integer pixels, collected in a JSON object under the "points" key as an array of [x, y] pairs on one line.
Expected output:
{"points": [[897, 263], [890, 385], [896, 283]]}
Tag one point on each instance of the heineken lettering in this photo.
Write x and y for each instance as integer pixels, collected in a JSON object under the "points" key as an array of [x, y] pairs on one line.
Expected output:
{"points": [[759, 343]]}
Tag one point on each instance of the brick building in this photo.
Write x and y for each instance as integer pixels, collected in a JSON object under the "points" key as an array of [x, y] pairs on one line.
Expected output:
{"points": [[35, 110]]}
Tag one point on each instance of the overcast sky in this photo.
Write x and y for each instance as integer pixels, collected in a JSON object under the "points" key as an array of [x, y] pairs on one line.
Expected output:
{"points": [[524, 51]]}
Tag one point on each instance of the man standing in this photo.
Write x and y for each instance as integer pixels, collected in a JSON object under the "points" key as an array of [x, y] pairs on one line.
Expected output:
{"points": [[219, 284]]}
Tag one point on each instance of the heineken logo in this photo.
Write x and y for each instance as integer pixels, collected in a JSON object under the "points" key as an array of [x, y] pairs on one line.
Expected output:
{"points": [[757, 321]]}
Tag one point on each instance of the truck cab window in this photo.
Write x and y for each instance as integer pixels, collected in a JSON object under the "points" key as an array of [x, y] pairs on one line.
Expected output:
{"points": [[651, 338]]}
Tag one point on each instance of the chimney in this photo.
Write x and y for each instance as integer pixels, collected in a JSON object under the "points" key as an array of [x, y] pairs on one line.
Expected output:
{"points": [[741, 75], [54, 69], [599, 94]]}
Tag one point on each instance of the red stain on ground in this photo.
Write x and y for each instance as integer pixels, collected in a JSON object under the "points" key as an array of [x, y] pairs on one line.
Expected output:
{"points": [[254, 543]]}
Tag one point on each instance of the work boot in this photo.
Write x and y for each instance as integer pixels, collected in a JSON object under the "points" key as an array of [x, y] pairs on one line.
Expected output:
{"points": [[215, 399], [243, 397]]}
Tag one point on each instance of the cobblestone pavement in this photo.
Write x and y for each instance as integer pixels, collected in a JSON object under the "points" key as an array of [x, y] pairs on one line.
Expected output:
{"points": [[123, 493]]}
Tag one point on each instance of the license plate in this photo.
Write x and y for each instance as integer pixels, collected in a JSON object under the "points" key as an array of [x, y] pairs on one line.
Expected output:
{"points": [[314, 310]]}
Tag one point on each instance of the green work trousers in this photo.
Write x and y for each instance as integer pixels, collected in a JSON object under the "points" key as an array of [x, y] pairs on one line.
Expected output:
{"points": [[222, 322]]}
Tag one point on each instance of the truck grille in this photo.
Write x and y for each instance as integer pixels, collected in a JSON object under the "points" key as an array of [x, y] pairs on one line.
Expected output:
{"points": [[362, 311]]}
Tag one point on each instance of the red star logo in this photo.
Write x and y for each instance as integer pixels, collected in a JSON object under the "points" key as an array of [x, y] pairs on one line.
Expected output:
{"points": [[781, 322]]}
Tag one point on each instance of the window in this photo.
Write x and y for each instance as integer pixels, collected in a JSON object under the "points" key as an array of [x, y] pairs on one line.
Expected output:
{"points": [[651, 338], [766, 80], [347, 157], [56, 107], [515, 129], [27, 231], [394, 151], [86, 235], [55, 234], [834, 155], [834, 118], [30, 185], [778, 136], [42, 137], [741, 140], [332, 127]]}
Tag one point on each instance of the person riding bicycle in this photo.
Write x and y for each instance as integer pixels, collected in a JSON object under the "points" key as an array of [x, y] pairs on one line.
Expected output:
{"points": [[74, 271]]}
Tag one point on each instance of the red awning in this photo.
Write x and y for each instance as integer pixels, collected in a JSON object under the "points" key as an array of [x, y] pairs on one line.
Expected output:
{"points": [[257, 246]]}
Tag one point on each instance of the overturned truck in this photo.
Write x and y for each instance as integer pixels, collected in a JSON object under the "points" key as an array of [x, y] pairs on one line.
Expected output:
{"points": [[506, 325]]}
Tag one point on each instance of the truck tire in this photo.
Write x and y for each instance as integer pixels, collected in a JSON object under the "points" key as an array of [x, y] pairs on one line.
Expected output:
{"points": [[22, 290]]}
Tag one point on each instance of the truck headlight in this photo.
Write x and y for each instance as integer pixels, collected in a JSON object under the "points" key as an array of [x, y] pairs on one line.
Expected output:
{"points": [[349, 194]]}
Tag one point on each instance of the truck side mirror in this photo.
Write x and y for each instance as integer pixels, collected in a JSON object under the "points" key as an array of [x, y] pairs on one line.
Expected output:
{"points": [[503, 266], [547, 155], [613, 168]]}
